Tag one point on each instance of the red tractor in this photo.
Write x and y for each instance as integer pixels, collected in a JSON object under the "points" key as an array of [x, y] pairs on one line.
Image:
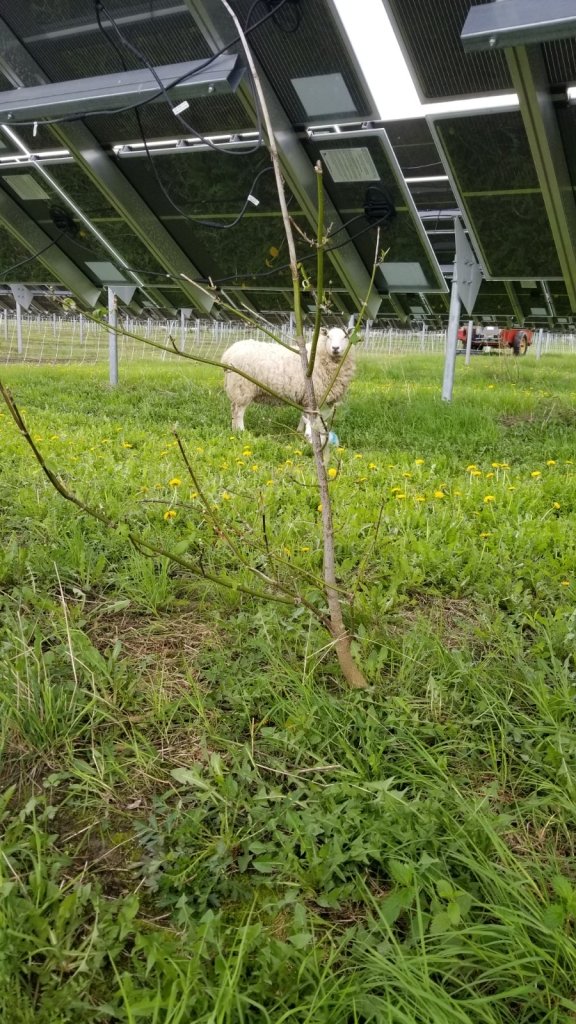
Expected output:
{"points": [[516, 338]]}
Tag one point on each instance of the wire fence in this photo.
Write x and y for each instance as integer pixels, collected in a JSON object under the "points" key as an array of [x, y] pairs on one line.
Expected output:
{"points": [[54, 339]]}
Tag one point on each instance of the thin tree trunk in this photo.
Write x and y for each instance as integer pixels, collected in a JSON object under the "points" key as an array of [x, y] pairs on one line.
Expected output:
{"points": [[340, 635]]}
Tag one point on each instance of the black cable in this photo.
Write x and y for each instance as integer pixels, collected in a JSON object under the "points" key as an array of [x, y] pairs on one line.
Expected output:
{"points": [[99, 5], [274, 6], [101, 8], [150, 99], [34, 256]]}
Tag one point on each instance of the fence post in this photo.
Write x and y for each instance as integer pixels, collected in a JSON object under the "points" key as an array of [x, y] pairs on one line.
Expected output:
{"points": [[539, 343], [6, 324]]}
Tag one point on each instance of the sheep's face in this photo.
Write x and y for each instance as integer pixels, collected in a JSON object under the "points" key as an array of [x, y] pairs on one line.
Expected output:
{"points": [[335, 341]]}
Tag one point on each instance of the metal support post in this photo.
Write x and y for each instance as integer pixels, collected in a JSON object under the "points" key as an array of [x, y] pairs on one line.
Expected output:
{"points": [[81, 328], [6, 324], [539, 338], [423, 338], [451, 342], [112, 337], [19, 329], [469, 341]]}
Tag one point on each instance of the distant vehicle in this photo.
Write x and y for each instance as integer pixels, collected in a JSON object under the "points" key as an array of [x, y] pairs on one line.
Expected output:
{"points": [[516, 338]]}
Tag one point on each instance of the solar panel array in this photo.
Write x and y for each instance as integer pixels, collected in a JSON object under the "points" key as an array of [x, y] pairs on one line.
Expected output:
{"points": [[147, 198]]}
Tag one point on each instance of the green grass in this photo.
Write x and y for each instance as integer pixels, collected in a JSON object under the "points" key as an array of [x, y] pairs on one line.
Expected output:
{"points": [[199, 822]]}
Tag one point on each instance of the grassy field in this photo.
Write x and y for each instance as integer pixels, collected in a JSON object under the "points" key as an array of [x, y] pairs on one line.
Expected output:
{"points": [[200, 824]]}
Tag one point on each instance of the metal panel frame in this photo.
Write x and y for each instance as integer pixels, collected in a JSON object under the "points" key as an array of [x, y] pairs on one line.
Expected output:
{"points": [[508, 23], [21, 69]]}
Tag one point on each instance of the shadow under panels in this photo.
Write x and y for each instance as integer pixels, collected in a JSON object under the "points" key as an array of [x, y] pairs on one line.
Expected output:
{"points": [[490, 159]]}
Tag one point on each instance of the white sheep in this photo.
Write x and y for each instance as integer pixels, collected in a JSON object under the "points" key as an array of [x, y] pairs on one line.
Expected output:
{"points": [[280, 369]]}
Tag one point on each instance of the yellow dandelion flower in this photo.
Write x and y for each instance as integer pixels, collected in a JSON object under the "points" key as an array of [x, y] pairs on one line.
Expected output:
{"points": [[304, 548], [247, 453], [458, 493], [400, 495], [488, 498], [55, 437], [269, 483], [287, 551], [419, 462], [551, 462], [223, 465], [511, 487], [491, 386], [568, 462], [332, 472], [420, 497], [489, 476], [485, 534], [394, 489], [407, 476], [340, 450], [358, 456], [372, 465], [361, 479], [254, 468], [126, 444], [320, 507], [439, 494], [288, 462], [535, 473], [193, 494], [170, 513], [504, 465], [471, 467], [174, 482], [556, 504], [297, 451], [564, 583], [495, 465], [166, 452]]}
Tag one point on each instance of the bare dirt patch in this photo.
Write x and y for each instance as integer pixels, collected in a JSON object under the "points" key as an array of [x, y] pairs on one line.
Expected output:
{"points": [[164, 647], [454, 619]]}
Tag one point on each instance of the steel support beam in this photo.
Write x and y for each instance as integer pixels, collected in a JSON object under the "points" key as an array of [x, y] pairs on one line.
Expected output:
{"points": [[506, 23], [33, 238], [300, 176], [21, 70], [531, 83]]}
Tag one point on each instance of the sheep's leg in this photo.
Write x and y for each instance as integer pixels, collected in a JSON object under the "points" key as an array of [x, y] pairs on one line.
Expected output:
{"points": [[302, 425], [238, 417]]}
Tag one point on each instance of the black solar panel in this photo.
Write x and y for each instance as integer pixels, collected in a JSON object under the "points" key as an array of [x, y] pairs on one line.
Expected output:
{"points": [[303, 45], [431, 33]]}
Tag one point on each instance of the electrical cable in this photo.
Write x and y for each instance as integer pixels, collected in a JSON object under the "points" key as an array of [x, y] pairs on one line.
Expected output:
{"points": [[100, 8], [68, 118], [273, 5], [34, 256]]}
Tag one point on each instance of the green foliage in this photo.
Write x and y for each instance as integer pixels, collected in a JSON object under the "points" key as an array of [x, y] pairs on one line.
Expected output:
{"points": [[198, 822]]}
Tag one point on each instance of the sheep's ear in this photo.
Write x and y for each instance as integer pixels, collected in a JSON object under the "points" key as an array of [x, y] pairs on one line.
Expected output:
{"points": [[324, 332]]}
